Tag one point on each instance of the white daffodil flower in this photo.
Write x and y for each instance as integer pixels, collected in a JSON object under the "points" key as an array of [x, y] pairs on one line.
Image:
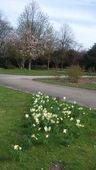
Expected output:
{"points": [[65, 131], [26, 115]]}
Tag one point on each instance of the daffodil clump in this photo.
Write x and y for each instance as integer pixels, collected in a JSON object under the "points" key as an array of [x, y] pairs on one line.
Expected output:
{"points": [[51, 119], [17, 147]]}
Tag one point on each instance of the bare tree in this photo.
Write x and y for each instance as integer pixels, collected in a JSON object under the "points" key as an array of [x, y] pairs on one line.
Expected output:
{"points": [[14, 46], [31, 29], [49, 43], [34, 19], [5, 29], [66, 40]]}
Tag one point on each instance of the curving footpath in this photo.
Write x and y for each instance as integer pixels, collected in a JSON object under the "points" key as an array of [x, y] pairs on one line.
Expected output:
{"points": [[27, 84]]}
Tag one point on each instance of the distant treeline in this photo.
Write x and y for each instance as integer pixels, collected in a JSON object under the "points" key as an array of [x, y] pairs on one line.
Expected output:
{"points": [[35, 44]]}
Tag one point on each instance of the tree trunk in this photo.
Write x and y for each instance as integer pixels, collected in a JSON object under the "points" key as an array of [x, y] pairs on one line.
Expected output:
{"points": [[22, 63], [29, 65], [56, 66], [62, 62], [48, 64]]}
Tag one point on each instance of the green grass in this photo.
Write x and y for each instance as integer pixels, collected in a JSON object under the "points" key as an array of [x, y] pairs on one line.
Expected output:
{"points": [[81, 155], [39, 72], [91, 86], [31, 72]]}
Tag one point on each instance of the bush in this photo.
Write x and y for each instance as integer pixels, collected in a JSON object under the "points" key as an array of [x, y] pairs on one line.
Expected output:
{"points": [[74, 73]]}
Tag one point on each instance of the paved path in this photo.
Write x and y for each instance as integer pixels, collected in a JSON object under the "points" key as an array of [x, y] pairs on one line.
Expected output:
{"points": [[27, 84]]}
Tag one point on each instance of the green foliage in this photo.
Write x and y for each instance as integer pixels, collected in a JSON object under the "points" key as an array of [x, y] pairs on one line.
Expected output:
{"points": [[89, 60], [74, 73]]}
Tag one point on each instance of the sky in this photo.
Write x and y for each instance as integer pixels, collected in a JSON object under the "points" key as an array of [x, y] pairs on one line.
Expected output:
{"points": [[80, 15]]}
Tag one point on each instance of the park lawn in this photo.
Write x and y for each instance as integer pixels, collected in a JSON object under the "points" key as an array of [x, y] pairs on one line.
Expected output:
{"points": [[81, 155], [32, 72], [39, 72], [58, 81]]}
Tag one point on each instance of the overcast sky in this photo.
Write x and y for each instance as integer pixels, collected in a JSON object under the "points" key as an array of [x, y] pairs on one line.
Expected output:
{"points": [[79, 14]]}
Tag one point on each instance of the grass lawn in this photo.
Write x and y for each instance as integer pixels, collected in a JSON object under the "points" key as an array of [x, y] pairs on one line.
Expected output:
{"points": [[31, 72], [91, 86], [38, 72], [81, 155]]}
